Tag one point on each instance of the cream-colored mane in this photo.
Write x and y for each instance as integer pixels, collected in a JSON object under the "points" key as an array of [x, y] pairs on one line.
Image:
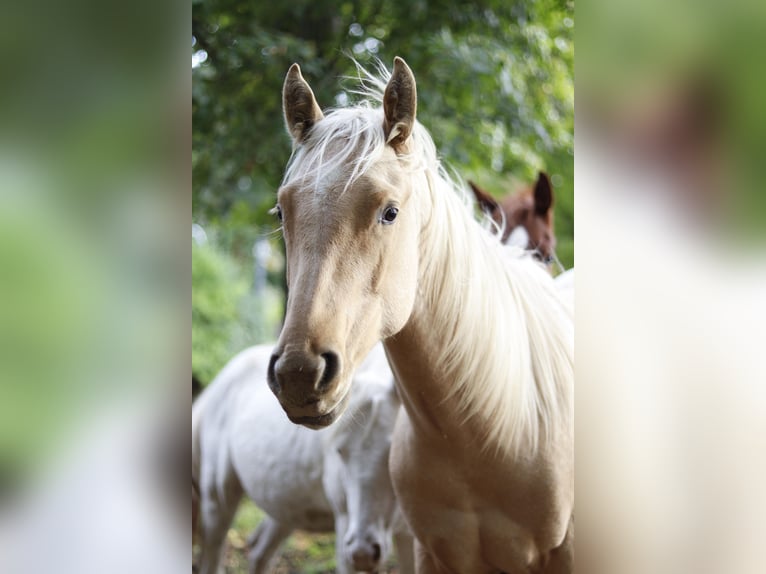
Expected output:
{"points": [[508, 337]]}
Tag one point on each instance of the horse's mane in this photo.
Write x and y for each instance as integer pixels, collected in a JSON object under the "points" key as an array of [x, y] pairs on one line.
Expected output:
{"points": [[513, 362], [511, 365]]}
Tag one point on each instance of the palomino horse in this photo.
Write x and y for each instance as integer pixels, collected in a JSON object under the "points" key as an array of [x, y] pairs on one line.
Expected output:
{"points": [[382, 246], [337, 478], [525, 218]]}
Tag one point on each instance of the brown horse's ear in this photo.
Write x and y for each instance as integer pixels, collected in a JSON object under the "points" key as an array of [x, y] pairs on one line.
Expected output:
{"points": [[486, 202], [300, 108], [543, 194], [399, 104]]}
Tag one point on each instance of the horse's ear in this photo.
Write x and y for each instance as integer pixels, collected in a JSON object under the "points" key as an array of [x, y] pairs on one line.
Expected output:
{"points": [[300, 108], [399, 104], [486, 202], [543, 194]]}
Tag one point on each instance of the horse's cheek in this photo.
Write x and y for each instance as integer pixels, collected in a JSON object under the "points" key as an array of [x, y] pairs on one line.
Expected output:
{"points": [[400, 296]]}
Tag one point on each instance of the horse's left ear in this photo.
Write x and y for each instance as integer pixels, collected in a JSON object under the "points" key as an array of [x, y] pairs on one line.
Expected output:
{"points": [[486, 202], [399, 104], [543, 194], [299, 105]]}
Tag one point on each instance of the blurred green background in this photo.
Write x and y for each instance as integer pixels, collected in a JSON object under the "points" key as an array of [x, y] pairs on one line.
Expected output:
{"points": [[495, 87]]}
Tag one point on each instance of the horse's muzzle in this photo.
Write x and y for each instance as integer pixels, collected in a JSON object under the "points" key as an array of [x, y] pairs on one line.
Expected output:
{"points": [[366, 558], [302, 381]]}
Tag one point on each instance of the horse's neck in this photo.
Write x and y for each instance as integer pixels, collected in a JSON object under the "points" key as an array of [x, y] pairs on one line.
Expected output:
{"points": [[424, 386], [484, 354], [441, 320]]}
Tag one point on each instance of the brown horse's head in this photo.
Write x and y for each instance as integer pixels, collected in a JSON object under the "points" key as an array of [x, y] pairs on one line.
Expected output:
{"points": [[350, 222], [527, 216]]}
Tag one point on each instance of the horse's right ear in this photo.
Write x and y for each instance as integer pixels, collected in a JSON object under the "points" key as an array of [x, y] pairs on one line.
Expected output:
{"points": [[300, 108], [400, 102], [543, 194], [486, 202]]}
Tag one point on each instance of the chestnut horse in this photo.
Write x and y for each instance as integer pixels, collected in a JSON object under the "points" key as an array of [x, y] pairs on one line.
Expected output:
{"points": [[382, 245], [525, 218]]}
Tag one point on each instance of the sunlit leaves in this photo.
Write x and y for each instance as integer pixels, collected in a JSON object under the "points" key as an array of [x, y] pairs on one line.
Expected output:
{"points": [[494, 81]]}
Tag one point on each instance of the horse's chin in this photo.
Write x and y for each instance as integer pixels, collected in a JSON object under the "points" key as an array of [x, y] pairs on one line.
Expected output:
{"points": [[325, 420]]}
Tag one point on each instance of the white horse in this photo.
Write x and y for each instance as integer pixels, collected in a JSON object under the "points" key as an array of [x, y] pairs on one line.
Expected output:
{"points": [[317, 481]]}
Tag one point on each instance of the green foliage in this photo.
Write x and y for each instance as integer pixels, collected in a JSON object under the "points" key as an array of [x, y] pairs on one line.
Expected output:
{"points": [[494, 79], [218, 289]]}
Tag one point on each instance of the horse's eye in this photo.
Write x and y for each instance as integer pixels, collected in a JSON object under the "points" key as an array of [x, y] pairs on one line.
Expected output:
{"points": [[278, 211], [389, 215]]}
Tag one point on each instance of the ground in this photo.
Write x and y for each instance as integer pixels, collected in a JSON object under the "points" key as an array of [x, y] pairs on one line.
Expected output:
{"points": [[303, 553]]}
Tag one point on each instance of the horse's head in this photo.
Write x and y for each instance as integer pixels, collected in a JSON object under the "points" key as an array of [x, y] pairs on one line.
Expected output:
{"points": [[351, 236], [356, 476], [527, 216]]}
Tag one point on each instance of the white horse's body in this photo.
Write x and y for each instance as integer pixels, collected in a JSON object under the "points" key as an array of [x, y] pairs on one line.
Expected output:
{"points": [[336, 478]]}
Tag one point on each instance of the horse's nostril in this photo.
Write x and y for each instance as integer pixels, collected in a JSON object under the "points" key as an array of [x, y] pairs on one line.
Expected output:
{"points": [[331, 368], [376, 552], [271, 376]]}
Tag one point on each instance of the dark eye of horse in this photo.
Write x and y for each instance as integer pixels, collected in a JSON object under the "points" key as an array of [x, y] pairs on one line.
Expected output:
{"points": [[389, 215], [278, 211]]}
